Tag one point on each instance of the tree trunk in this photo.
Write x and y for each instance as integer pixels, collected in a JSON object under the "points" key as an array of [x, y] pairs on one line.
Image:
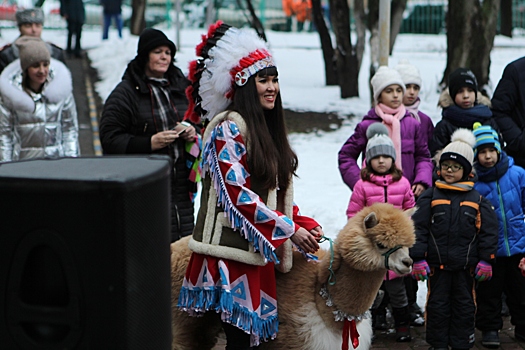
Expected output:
{"points": [[326, 43], [346, 58], [138, 23], [471, 28]]}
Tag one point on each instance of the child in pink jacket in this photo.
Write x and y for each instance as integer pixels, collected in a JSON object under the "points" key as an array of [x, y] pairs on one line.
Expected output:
{"points": [[381, 181]]}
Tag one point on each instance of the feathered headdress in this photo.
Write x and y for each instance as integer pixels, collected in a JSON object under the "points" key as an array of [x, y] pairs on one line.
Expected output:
{"points": [[228, 56]]}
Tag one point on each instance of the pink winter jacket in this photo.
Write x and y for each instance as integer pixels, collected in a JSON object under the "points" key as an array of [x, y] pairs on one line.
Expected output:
{"points": [[383, 189]]}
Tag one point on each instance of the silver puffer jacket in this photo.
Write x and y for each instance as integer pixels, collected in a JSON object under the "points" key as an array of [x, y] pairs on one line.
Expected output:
{"points": [[35, 125]]}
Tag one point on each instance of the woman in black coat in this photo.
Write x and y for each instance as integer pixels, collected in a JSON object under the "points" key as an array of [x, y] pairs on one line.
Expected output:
{"points": [[141, 112]]}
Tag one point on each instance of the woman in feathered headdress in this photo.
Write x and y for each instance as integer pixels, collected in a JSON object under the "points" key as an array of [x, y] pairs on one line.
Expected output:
{"points": [[247, 212]]}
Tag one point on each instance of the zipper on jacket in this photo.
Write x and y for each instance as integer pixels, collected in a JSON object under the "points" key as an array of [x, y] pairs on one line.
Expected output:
{"points": [[386, 194], [504, 220], [145, 127], [434, 239]]}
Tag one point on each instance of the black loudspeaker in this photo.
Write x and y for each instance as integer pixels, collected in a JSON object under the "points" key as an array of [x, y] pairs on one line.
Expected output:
{"points": [[85, 254]]}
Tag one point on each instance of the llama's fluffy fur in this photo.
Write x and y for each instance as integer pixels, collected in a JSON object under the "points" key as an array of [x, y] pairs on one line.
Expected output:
{"points": [[305, 321]]}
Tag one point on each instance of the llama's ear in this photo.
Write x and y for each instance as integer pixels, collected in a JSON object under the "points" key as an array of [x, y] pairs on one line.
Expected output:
{"points": [[410, 212], [371, 220]]}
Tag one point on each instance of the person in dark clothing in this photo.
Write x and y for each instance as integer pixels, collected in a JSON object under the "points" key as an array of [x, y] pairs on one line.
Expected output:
{"points": [[74, 13], [112, 10], [508, 108], [456, 239], [140, 113], [30, 22]]}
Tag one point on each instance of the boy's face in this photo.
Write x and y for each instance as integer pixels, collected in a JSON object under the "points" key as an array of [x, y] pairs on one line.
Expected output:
{"points": [[451, 171], [488, 157], [465, 97], [391, 96], [411, 95]]}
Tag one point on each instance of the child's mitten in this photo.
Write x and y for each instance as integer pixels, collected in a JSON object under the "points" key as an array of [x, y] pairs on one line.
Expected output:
{"points": [[420, 270], [483, 271]]}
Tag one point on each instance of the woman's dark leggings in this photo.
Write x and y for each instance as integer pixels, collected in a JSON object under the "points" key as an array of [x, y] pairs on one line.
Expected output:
{"points": [[236, 338]]}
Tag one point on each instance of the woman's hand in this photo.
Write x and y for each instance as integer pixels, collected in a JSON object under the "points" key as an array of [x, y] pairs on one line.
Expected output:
{"points": [[189, 133], [305, 240], [317, 232], [163, 139]]}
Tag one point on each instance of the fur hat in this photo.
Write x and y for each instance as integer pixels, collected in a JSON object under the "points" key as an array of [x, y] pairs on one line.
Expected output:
{"points": [[228, 58], [31, 51], [461, 77], [379, 143], [34, 15], [149, 40], [486, 137], [409, 73], [460, 149], [384, 77]]}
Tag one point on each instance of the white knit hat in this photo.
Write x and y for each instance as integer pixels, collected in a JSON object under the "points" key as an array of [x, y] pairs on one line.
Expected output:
{"points": [[460, 149], [384, 77], [409, 73], [229, 56], [379, 143]]}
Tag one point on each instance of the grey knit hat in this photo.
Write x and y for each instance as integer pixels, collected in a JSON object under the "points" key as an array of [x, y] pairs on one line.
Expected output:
{"points": [[34, 15], [32, 50], [379, 143]]}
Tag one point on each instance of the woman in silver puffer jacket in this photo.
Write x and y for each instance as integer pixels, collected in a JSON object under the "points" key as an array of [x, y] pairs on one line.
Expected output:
{"points": [[38, 116]]}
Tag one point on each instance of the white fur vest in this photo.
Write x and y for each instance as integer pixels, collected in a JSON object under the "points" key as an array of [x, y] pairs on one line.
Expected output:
{"points": [[213, 234], [37, 124]]}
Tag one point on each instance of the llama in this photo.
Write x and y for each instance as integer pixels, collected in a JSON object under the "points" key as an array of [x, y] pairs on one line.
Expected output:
{"points": [[313, 294]]}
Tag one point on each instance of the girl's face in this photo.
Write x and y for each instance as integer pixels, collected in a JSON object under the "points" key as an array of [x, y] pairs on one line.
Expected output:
{"points": [[37, 74], [465, 97], [451, 171], [267, 90], [381, 164], [411, 95], [488, 157], [391, 96], [159, 61]]}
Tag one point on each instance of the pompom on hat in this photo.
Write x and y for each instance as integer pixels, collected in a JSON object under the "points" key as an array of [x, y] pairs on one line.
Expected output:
{"points": [[31, 51], [461, 77], [460, 149], [409, 73], [228, 56], [379, 143], [34, 15], [485, 137], [384, 77]]}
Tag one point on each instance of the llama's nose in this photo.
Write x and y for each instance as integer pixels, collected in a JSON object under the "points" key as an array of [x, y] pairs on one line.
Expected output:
{"points": [[407, 262]]}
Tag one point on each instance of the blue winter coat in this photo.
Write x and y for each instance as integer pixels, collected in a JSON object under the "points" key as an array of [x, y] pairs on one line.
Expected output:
{"points": [[415, 158], [504, 186]]}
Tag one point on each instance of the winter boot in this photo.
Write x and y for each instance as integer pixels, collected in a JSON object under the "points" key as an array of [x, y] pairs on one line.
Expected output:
{"points": [[379, 321], [490, 339], [416, 315], [402, 322]]}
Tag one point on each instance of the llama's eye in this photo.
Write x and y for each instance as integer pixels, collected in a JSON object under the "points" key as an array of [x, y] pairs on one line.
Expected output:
{"points": [[380, 246]]}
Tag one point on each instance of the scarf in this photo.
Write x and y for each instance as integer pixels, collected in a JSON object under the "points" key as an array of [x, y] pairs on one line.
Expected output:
{"points": [[494, 173], [414, 110], [465, 118], [391, 118], [463, 186]]}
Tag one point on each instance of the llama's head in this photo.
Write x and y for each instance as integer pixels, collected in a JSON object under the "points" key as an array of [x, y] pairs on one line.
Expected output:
{"points": [[378, 237]]}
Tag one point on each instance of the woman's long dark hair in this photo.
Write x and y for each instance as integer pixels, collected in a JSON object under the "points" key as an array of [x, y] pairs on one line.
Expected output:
{"points": [[270, 154]]}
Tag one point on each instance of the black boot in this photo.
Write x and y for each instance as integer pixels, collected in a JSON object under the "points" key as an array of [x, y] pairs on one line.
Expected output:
{"points": [[402, 321]]}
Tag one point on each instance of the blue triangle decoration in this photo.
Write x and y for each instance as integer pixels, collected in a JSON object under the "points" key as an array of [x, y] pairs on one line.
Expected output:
{"points": [[231, 176], [266, 307], [224, 155], [224, 279], [205, 275], [239, 291], [244, 198], [220, 133], [287, 220], [261, 216], [279, 232], [239, 149], [234, 129]]}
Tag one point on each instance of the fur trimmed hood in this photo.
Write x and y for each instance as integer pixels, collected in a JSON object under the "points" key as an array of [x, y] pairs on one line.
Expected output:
{"points": [[445, 100], [58, 87]]}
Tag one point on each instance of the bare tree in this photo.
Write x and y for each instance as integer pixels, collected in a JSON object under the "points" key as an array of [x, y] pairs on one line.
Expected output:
{"points": [[326, 44], [471, 28], [138, 23]]}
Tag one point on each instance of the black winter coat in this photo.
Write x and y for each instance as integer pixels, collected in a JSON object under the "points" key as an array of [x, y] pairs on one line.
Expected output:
{"points": [[127, 125], [508, 108], [74, 10], [446, 233], [111, 7]]}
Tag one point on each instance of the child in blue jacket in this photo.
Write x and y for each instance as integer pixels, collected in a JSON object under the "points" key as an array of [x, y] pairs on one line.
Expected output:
{"points": [[503, 184]]}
